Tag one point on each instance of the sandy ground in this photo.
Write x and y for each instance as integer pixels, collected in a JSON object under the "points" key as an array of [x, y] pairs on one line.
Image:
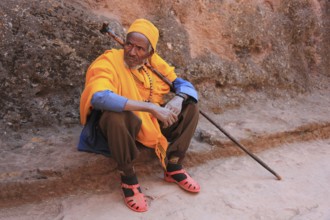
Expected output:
{"points": [[232, 188]]}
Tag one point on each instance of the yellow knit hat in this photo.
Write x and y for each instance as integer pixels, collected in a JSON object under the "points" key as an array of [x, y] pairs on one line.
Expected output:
{"points": [[146, 28]]}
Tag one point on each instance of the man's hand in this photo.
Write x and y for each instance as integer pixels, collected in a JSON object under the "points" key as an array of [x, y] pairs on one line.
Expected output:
{"points": [[175, 105], [168, 115], [165, 115]]}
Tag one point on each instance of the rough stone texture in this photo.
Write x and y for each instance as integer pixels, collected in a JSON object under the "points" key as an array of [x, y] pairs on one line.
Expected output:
{"points": [[47, 47], [226, 48], [325, 47]]}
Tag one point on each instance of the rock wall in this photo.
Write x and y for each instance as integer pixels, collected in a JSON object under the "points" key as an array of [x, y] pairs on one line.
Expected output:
{"points": [[231, 50]]}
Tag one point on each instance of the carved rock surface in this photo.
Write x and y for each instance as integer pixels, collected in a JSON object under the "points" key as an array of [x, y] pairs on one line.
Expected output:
{"points": [[230, 50]]}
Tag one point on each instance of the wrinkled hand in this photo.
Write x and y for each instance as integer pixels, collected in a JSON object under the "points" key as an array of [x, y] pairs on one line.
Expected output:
{"points": [[168, 115], [175, 105], [165, 115]]}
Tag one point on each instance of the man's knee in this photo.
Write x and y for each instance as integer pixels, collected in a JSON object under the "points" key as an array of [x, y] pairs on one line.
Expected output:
{"points": [[192, 110], [119, 119]]}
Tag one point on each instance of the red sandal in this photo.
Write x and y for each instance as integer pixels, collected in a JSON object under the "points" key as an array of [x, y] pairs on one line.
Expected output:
{"points": [[187, 184], [137, 202]]}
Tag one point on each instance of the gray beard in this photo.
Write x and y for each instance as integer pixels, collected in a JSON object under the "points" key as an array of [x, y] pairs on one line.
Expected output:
{"points": [[134, 67]]}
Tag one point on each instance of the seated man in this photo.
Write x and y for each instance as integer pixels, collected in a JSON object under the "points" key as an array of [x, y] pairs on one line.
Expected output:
{"points": [[122, 108]]}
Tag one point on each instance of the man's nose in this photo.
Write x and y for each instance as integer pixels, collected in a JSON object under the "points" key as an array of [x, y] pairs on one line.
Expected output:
{"points": [[132, 52]]}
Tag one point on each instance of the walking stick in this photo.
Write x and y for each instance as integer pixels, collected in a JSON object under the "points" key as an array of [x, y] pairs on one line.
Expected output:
{"points": [[106, 30]]}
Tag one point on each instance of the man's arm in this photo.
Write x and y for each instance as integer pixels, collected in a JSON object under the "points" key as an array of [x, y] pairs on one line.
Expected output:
{"points": [[109, 101], [182, 87], [183, 90], [165, 115]]}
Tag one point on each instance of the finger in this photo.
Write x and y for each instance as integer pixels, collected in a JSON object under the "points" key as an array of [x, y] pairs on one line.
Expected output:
{"points": [[168, 106], [165, 124], [173, 119], [176, 111]]}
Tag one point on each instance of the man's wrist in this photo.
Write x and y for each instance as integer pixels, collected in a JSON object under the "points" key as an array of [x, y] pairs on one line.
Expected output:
{"points": [[182, 95]]}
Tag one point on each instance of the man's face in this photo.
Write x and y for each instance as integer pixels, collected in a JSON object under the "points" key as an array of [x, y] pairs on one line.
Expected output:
{"points": [[136, 49]]}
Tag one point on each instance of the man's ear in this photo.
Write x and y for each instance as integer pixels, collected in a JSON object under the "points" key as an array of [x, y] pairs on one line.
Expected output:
{"points": [[151, 53]]}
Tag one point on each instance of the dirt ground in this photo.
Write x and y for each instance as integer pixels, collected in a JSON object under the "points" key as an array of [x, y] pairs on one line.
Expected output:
{"points": [[232, 188]]}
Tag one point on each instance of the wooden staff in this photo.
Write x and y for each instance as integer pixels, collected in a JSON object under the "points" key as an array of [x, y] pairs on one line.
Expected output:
{"points": [[106, 30]]}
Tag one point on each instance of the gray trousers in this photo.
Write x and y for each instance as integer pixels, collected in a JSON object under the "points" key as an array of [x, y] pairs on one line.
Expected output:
{"points": [[121, 128]]}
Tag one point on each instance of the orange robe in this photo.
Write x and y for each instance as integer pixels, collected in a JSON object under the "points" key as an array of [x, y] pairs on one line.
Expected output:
{"points": [[108, 72]]}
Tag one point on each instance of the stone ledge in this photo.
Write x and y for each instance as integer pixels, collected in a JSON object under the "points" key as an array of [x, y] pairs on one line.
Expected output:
{"points": [[73, 172]]}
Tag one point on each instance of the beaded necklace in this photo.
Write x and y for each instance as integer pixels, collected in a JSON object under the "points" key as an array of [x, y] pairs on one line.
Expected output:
{"points": [[139, 81]]}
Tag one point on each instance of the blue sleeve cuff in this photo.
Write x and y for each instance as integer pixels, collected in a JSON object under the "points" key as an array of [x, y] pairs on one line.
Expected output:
{"points": [[182, 86], [109, 101]]}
